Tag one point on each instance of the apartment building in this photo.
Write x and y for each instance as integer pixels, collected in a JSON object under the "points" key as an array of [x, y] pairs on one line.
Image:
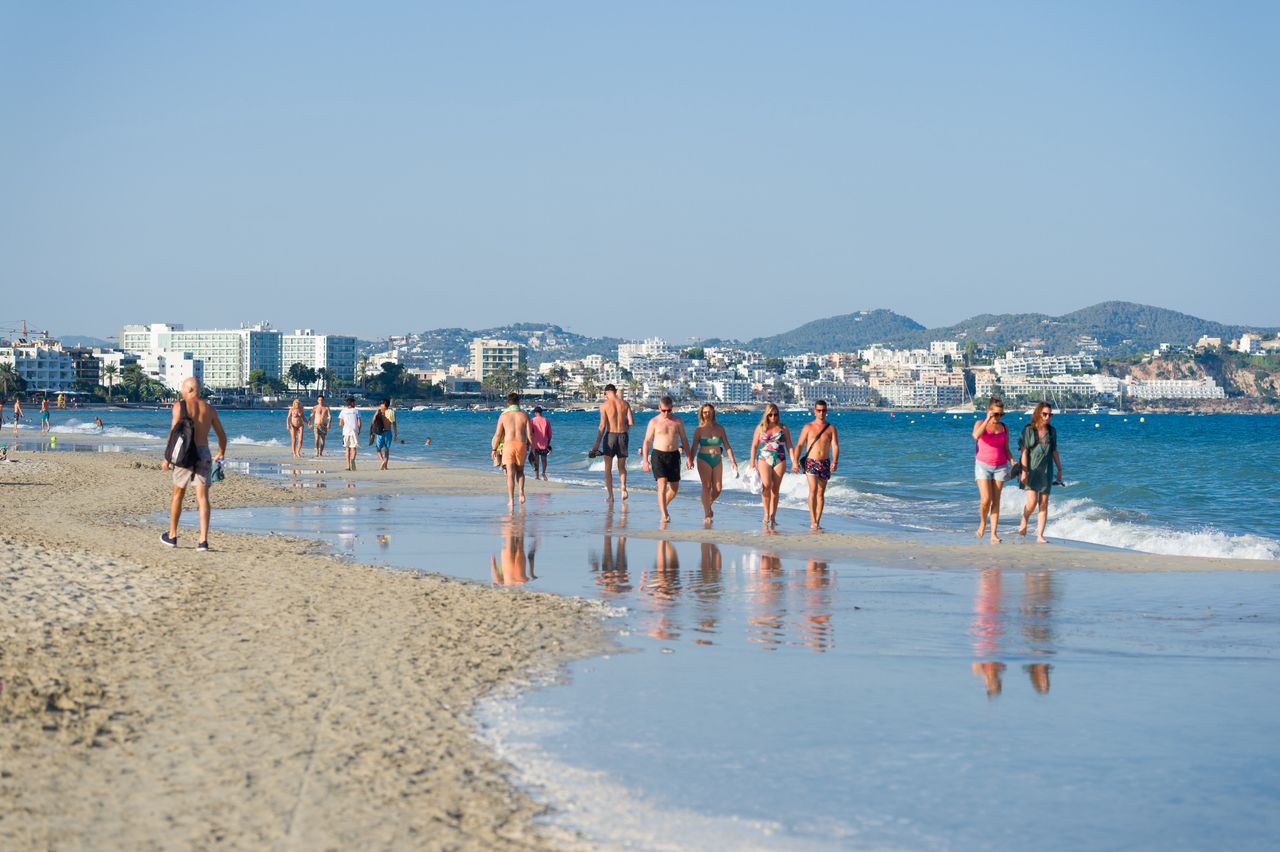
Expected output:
{"points": [[319, 352], [229, 355], [43, 364], [490, 356]]}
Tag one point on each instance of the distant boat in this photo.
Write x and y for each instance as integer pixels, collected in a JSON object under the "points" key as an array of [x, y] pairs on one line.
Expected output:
{"points": [[1099, 408], [421, 408], [961, 409]]}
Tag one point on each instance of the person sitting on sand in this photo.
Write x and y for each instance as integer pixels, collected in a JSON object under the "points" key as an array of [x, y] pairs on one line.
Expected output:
{"points": [[349, 419], [512, 436], [819, 448], [991, 467], [321, 417], [615, 419], [204, 418], [660, 451]]}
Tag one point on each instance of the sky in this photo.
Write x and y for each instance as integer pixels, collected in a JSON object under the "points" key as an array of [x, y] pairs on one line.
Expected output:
{"points": [[682, 169]]}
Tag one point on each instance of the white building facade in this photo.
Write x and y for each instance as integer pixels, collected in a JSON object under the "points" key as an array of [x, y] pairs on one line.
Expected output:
{"points": [[490, 356], [44, 365]]}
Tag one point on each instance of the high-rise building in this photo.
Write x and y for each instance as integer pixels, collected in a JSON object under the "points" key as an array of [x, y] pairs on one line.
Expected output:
{"points": [[43, 364], [229, 354], [493, 356], [319, 352]]}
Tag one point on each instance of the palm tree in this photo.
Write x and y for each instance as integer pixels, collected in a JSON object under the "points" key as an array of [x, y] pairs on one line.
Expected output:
{"points": [[296, 374], [109, 373], [10, 381]]}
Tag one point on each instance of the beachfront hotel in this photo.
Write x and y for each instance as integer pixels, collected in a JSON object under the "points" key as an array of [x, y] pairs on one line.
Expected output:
{"points": [[229, 355], [43, 364], [490, 356]]}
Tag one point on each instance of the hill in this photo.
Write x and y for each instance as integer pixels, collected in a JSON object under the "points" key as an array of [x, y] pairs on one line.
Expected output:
{"points": [[441, 347], [1119, 327], [844, 333]]}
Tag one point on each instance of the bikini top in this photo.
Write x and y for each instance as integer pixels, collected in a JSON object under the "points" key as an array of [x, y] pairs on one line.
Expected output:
{"points": [[709, 442]]}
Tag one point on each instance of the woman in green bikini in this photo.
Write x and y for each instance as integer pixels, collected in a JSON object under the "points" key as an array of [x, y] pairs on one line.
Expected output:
{"points": [[712, 443]]}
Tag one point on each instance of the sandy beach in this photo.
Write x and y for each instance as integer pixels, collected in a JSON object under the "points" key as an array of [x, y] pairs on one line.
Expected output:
{"points": [[262, 694]]}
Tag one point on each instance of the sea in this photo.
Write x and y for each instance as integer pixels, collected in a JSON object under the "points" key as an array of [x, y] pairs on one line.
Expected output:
{"points": [[771, 695]]}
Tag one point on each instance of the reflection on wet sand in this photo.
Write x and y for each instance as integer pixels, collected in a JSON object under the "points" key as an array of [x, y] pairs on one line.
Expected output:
{"points": [[662, 585], [512, 566], [988, 628], [766, 627]]}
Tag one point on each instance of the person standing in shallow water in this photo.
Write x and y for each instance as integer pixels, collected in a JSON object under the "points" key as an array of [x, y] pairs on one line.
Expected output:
{"points": [[512, 434], [769, 446], [663, 440], [821, 455], [349, 420], [711, 442], [296, 420], [321, 415], [1038, 449], [613, 440], [540, 431], [991, 466]]}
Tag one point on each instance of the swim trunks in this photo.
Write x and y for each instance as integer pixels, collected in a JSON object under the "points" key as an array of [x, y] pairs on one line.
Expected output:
{"points": [[616, 444], [821, 468], [321, 430], [182, 476], [514, 452], [538, 452], [350, 440], [382, 441], [665, 464]]}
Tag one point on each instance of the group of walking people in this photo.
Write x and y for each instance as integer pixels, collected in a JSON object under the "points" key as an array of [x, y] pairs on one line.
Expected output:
{"points": [[815, 452]]}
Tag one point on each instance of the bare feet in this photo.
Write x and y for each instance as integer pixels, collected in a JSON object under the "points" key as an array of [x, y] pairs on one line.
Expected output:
{"points": [[982, 528], [1022, 527], [995, 539], [625, 494], [1041, 540]]}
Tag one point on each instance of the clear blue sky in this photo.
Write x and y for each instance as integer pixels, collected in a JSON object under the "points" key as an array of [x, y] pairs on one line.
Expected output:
{"points": [[691, 168]]}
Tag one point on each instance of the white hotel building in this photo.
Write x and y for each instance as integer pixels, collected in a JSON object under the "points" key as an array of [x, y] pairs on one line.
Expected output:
{"points": [[229, 355], [43, 364]]}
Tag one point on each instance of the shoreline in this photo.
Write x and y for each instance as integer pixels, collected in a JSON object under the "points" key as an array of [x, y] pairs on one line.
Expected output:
{"points": [[265, 693]]}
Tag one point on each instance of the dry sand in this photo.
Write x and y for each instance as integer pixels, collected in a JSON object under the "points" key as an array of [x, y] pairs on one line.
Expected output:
{"points": [[260, 695]]}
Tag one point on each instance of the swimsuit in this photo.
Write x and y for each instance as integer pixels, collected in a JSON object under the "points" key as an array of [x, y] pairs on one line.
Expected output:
{"points": [[771, 450], [819, 468], [615, 444], [666, 464], [712, 459]]}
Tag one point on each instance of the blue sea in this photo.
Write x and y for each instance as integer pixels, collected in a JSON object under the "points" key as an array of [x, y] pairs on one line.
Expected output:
{"points": [[769, 695]]}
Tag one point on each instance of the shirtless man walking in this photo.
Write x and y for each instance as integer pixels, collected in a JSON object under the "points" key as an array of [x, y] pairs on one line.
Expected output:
{"points": [[662, 434], [613, 441], [513, 435], [321, 417], [820, 448], [205, 418]]}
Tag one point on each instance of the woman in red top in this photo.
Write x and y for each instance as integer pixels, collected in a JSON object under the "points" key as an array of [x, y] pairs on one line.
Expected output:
{"points": [[991, 467]]}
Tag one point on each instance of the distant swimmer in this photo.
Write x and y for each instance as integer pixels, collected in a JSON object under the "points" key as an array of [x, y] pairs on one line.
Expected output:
{"points": [[97, 422], [1038, 452], [818, 449], [296, 421], [204, 418], [613, 440], [349, 419], [540, 431], [511, 438], [427, 442], [769, 446], [321, 417], [664, 438], [991, 466], [712, 444], [44, 416]]}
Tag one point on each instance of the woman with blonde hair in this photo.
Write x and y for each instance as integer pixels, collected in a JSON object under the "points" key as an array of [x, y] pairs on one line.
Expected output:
{"points": [[296, 420], [769, 446], [1038, 449], [711, 443]]}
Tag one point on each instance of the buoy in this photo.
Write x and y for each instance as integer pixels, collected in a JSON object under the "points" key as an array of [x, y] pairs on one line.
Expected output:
{"points": [[1097, 425], [1142, 420]]}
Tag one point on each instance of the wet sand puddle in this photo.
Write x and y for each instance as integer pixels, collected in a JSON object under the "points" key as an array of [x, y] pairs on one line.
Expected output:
{"points": [[786, 701]]}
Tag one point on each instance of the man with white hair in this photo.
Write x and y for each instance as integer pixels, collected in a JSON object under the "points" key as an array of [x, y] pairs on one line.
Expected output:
{"points": [[203, 418]]}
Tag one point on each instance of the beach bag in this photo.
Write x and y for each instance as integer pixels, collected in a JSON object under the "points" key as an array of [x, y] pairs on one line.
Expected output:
{"points": [[751, 479], [180, 451]]}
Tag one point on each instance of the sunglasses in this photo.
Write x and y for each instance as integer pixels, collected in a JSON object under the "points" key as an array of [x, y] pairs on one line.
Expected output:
{"points": [[665, 410], [820, 411]]}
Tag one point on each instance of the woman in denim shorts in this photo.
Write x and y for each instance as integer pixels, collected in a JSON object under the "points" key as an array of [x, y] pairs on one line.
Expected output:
{"points": [[991, 467]]}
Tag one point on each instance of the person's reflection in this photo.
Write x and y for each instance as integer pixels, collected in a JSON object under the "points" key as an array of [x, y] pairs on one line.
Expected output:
{"points": [[816, 625], [662, 584], [611, 567], [708, 589], [1037, 628], [384, 541], [987, 628], [512, 567], [768, 624]]}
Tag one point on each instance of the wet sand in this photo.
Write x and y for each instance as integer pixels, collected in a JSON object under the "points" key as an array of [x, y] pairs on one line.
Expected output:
{"points": [[262, 694]]}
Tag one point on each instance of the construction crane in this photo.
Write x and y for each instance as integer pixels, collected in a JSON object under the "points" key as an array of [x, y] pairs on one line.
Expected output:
{"points": [[10, 327]]}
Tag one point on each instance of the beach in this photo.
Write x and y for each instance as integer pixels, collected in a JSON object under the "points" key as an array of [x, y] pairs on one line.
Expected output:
{"points": [[262, 694], [271, 693]]}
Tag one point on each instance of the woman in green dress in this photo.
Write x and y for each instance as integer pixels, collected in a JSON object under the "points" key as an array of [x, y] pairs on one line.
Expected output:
{"points": [[1038, 452]]}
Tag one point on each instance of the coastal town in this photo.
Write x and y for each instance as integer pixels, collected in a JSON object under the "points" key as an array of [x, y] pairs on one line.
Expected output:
{"points": [[259, 364]]}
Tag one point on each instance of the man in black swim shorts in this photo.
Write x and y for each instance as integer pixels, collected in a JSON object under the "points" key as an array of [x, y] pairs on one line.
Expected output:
{"points": [[663, 435], [613, 439]]}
